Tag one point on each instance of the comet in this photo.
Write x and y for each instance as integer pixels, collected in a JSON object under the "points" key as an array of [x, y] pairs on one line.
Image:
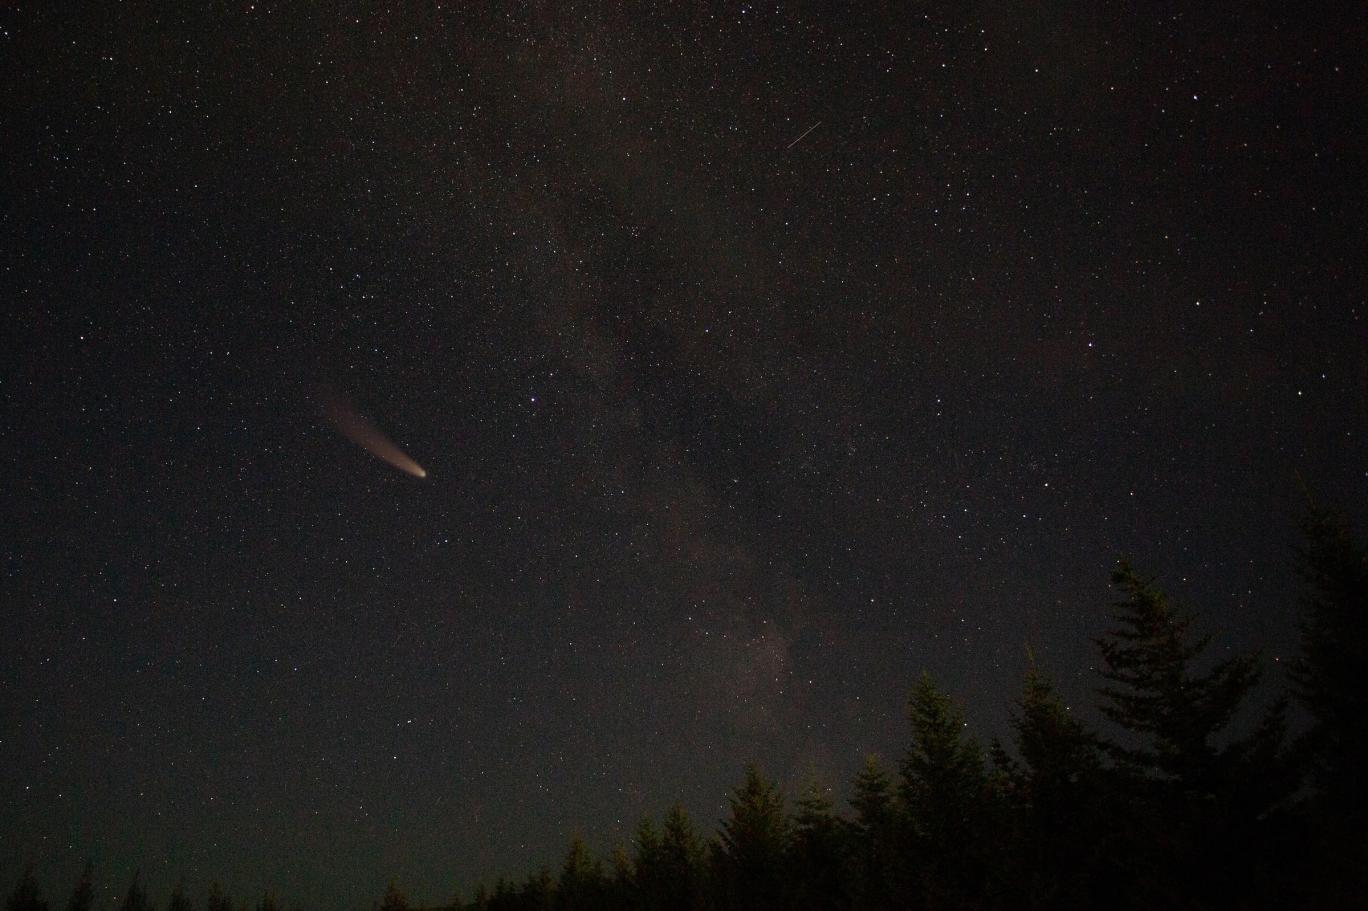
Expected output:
{"points": [[363, 433]]}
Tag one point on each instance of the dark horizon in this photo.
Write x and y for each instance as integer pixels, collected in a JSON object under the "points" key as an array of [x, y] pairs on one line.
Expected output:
{"points": [[428, 433], [1197, 791]]}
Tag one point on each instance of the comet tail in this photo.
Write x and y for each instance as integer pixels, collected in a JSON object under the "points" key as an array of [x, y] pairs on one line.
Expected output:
{"points": [[366, 435]]}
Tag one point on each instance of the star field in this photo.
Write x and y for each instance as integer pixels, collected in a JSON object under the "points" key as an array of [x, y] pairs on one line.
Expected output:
{"points": [[758, 360]]}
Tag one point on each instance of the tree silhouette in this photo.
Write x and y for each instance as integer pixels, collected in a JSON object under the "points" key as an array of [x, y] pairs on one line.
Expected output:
{"points": [[819, 854], [1328, 673], [1173, 712], [394, 900], [538, 892], [26, 895], [581, 884], [682, 860], [1329, 681], [649, 880], [135, 899], [753, 844], [179, 900], [217, 900], [1186, 781], [619, 887], [1063, 854], [945, 795], [667, 866], [505, 897], [874, 837], [83, 896], [1175, 808]]}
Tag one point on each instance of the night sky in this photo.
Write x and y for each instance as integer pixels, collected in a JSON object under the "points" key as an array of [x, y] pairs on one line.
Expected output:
{"points": [[757, 361]]}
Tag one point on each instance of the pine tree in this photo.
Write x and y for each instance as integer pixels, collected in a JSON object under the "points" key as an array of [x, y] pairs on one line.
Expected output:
{"points": [[136, 897], [621, 887], [945, 796], [1328, 674], [1061, 854], [943, 772], [26, 895], [874, 836], [83, 896], [1194, 797], [753, 844], [179, 900], [667, 865], [538, 892], [581, 884], [1173, 712], [505, 897], [680, 843], [217, 899], [394, 900], [1056, 749], [1329, 681], [682, 853], [648, 880], [873, 797], [818, 853]]}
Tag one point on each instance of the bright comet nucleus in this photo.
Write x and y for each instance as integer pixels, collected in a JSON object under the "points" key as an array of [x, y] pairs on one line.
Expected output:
{"points": [[363, 433]]}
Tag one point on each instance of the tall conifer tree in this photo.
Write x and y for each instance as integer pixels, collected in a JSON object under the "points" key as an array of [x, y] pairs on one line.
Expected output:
{"points": [[1173, 712], [753, 844], [874, 836], [1331, 683], [1062, 855], [135, 899], [83, 896], [26, 895], [217, 900], [819, 857], [945, 798], [179, 900], [1196, 796], [1329, 673], [581, 883]]}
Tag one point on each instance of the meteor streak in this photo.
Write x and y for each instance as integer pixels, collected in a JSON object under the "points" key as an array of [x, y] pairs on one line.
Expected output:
{"points": [[804, 133], [366, 435]]}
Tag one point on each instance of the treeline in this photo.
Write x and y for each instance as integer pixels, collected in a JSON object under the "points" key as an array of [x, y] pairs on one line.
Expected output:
{"points": [[1192, 798], [28, 897]]}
